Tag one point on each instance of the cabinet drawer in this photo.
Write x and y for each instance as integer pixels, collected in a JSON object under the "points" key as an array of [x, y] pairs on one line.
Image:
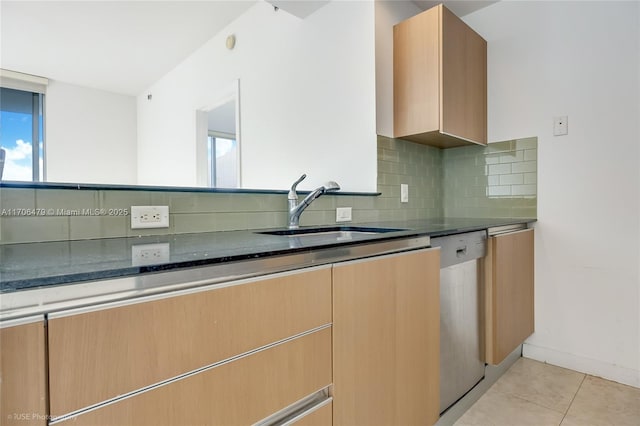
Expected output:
{"points": [[240, 392], [22, 375], [99, 355]]}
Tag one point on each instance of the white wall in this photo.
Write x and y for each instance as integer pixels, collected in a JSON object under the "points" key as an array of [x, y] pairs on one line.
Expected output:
{"points": [[579, 59], [90, 135], [307, 100]]}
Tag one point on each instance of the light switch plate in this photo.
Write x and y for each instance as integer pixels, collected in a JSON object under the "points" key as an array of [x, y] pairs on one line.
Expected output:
{"points": [[561, 125], [404, 193], [343, 214]]}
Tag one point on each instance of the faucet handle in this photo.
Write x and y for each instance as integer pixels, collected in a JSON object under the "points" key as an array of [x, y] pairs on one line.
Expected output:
{"points": [[292, 192]]}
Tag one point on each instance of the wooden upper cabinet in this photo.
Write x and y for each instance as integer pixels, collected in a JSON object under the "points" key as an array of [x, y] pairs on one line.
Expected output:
{"points": [[509, 293], [23, 391], [99, 355], [439, 80], [386, 334]]}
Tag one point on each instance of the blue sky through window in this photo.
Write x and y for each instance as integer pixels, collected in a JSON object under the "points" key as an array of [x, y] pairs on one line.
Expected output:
{"points": [[15, 138]]}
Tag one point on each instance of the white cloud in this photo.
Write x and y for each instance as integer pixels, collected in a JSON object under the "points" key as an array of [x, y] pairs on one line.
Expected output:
{"points": [[13, 171], [14, 163], [21, 151]]}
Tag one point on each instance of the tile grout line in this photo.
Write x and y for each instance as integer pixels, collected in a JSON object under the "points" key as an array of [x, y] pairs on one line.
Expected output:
{"points": [[533, 402], [573, 399], [522, 398]]}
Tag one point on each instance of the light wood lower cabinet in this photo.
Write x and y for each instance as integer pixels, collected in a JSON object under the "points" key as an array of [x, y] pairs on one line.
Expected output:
{"points": [[509, 293], [240, 392], [22, 375], [102, 354], [386, 333], [237, 354]]}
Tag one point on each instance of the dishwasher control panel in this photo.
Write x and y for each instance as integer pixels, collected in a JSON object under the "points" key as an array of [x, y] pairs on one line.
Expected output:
{"points": [[461, 247]]}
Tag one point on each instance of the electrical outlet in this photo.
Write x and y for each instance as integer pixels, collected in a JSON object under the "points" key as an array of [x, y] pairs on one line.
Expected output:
{"points": [[404, 193], [343, 214], [149, 254], [149, 217]]}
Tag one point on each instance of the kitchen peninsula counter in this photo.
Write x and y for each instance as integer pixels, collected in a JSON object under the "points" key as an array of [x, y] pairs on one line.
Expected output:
{"points": [[30, 270]]}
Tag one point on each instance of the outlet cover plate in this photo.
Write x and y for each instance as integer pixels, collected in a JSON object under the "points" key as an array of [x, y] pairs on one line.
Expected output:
{"points": [[150, 254], [149, 217], [343, 214]]}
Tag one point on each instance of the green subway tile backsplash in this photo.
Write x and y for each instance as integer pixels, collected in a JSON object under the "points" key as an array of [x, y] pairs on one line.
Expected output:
{"points": [[499, 180], [507, 173], [17, 229], [17, 198], [66, 200], [416, 165], [86, 227]]}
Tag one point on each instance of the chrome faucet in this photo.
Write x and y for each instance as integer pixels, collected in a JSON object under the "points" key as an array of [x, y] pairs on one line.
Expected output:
{"points": [[295, 209]]}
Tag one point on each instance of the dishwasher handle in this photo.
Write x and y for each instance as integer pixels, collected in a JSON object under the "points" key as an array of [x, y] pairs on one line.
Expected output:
{"points": [[460, 248]]}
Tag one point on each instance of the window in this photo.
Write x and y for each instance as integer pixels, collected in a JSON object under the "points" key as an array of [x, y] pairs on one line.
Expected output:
{"points": [[22, 126], [222, 150]]}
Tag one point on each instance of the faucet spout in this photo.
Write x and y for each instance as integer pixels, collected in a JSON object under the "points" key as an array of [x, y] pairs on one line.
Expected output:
{"points": [[295, 209]]}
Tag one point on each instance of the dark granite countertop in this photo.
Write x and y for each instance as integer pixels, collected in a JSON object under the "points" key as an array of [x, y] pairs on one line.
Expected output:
{"points": [[37, 265]]}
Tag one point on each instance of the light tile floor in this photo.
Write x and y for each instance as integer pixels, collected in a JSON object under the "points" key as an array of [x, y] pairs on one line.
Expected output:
{"points": [[538, 394]]}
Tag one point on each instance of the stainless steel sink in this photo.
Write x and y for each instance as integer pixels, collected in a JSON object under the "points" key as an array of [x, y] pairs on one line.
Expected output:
{"points": [[339, 232]]}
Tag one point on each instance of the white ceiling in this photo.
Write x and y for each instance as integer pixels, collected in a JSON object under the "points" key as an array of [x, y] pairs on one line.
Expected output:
{"points": [[299, 8], [459, 7], [118, 46]]}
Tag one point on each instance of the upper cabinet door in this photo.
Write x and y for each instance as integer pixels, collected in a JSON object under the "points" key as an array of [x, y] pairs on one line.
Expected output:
{"points": [[440, 80], [464, 80]]}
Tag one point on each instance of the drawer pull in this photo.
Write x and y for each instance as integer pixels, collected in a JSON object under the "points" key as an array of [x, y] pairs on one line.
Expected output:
{"points": [[291, 414]]}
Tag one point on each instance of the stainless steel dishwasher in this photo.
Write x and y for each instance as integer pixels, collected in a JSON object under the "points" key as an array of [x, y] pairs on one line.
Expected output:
{"points": [[461, 320]]}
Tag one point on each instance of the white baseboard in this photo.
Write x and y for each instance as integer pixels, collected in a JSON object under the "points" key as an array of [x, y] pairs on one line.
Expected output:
{"points": [[616, 373]]}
